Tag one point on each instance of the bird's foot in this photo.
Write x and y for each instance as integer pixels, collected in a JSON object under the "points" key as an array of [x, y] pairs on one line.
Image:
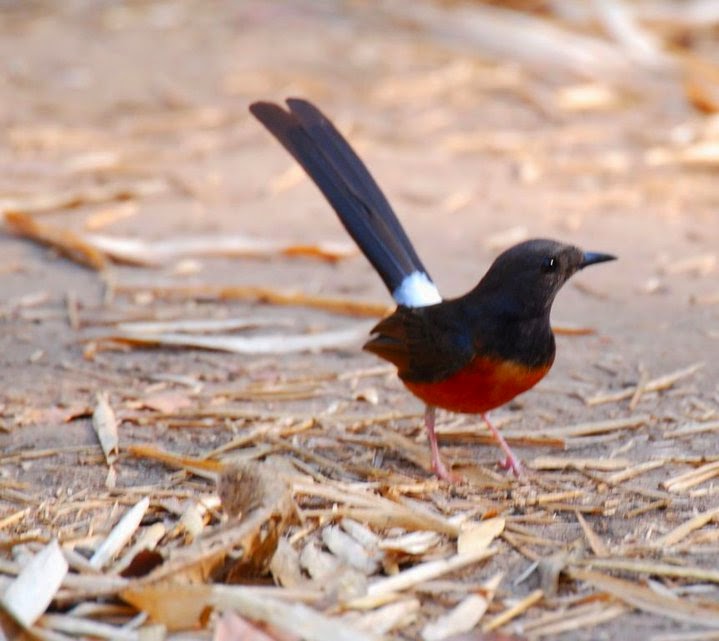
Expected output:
{"points": [[511, 463], [440, 469], [438, 466]]}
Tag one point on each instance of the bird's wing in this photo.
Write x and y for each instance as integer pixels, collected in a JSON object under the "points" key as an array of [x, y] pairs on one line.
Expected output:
{"points": [[427, 344]]}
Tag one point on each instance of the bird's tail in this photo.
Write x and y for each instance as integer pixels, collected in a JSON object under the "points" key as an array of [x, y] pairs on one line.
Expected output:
{"points": [[348, 186]]}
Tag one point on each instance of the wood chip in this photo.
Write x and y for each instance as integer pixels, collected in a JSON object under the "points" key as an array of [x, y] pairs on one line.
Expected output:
{"points": [[269, 344], [148, 539], [514, 611], [425, 572], [65, 241], [31, 592], [475, 537], [582, 617], [648, 600], [349, 550], [138, 251], [411, 543], [120, 534], [685, 529], [296, 618], [600, 550], [81, 627], [634, 471], [598, 427], [687, 480], [385, 619], [462, 618], [268, 295], [692, 429], [655, 385], [655, 568], [200, 467], [561, 463], [105, 425], [44, 202], [231, 627]]}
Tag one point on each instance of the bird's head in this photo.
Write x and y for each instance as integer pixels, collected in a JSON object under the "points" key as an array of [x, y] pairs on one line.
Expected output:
{"points": [[524, 279]]}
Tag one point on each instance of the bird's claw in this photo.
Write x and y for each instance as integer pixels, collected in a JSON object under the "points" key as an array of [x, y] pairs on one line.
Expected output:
{"points": [[444, 474], [511, 463]]}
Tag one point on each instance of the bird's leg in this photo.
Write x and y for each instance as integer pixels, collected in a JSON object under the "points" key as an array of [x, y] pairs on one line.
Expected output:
{"points": [[511, 462], [438, 466]]}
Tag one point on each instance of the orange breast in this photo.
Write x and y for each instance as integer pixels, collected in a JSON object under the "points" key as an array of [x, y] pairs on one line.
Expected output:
{"points": [[480, 386]]}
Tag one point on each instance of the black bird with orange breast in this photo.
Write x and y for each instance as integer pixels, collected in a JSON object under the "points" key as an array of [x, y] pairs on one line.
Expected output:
{"points": [[469, 354]]}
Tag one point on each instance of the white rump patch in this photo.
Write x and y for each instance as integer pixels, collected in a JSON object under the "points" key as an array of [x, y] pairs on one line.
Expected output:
{"points": [[417, 290]]}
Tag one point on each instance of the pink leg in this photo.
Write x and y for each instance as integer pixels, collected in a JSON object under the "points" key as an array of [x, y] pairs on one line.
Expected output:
{"points": [[437, 463], [511, 462]]}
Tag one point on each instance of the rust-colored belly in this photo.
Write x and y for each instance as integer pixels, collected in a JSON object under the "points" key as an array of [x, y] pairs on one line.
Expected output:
{"points": [[480, 386]]}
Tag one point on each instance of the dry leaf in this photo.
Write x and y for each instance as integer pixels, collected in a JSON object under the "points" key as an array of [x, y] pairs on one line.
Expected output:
{"points": [[178, 606], [475, 537]]}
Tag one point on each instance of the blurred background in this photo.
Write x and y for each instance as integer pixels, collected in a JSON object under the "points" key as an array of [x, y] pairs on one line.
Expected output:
{"points": [[485, 122]]}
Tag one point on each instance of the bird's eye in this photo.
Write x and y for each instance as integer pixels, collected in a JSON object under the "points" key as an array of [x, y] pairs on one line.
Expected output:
{"points": [[550, 264]]}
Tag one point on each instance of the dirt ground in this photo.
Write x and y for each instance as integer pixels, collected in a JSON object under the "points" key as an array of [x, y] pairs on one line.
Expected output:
{"points": [[151, 99]]}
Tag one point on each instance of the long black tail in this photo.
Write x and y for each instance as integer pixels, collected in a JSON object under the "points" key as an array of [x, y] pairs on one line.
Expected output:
{"points": [[346, 183]]}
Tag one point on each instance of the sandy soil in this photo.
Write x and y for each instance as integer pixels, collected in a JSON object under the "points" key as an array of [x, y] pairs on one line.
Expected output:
{"points": [[165, 88]]}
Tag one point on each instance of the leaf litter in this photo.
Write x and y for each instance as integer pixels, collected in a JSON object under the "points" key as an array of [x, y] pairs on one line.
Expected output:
{"points": [[337, 512]]}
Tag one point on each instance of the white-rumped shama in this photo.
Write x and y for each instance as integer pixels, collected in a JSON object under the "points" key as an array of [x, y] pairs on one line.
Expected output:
{"points": [[469, 354]]}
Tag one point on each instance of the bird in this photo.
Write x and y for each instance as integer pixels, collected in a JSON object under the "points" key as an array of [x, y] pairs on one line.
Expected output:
{"points": [[469, 354]]}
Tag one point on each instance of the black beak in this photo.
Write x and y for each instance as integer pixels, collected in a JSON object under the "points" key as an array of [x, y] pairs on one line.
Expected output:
{"points": [[592, 258]]}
